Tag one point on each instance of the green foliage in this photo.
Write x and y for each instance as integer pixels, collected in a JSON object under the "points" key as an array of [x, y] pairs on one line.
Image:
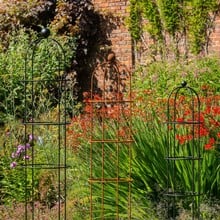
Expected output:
{"points": [[148, 170], [16, 14], [202, 75], [158, 77], [172, 15], [12, 181], [152, 14], [149, 165], [12, 68], [187, 20], [76, 20], [200, 22], [11, 73], [141, 207], [12, 184], [135, 20], [150, 135]]}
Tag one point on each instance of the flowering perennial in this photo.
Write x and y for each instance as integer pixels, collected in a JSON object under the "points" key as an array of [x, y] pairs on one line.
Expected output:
{"points": [[21, 150]]}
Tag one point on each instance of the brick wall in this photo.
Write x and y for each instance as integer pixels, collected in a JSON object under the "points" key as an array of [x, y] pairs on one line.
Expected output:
{"points": [[120, 37], [214, 44]]}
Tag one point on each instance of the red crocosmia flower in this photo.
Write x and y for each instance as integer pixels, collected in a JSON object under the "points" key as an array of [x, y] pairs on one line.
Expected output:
{"points": [[122, 132], [180, 119], [211, 141], [187, 112], [214, 122], [97, 97], [210, 144], [184, 138], [208, 110], [216, 110], [201, 118], [181, 138], [205, 87], [189, 137], [218, 134], [203, 131], [88, 109], [181, 99]]}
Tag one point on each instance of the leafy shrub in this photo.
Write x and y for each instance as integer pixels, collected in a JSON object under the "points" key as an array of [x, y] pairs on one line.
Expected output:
{"points": [[12, 69], [76, 20], [17, 14], [158, 78]]}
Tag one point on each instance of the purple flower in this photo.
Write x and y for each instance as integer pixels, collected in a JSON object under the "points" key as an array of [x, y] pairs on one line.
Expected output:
{"points": [[31, 137], [27, 146], [13, 164], [13, 155], [26, 157], [20, 149]]}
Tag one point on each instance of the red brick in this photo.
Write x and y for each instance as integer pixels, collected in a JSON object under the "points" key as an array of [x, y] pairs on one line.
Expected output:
{"points": [[120, 37]]}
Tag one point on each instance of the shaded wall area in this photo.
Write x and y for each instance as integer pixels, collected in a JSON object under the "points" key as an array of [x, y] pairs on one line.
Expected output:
{"points": [[120, 38]]}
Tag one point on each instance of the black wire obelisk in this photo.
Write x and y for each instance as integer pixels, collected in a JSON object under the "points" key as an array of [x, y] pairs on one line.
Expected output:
{"points": [[184, 153], [45, 128]]}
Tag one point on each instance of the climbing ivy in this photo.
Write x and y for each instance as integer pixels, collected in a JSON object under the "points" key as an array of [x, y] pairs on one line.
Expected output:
{"points": [[171, 14], [152, 14], [135, 21], [140, 10], [200, 21], [189, 19]]}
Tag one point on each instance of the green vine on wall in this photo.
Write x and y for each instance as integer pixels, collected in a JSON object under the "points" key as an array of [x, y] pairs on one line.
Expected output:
{"points": [[200, 21], [188, 19], [152, 14], [140, 10], [171, 14], [135, 20]]}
